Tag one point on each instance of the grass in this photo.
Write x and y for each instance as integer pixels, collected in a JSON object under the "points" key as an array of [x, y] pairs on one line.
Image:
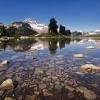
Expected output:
{"points": [[96, 37], [49, 35]]}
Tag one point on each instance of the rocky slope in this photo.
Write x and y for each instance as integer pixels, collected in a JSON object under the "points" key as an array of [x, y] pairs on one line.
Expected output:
{"points": [[39, 28]]}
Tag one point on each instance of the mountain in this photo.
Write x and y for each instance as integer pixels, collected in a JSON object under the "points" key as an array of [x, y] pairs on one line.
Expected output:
{"points": [[22, 28], [96, 32], [39, 28], [1, 24]]}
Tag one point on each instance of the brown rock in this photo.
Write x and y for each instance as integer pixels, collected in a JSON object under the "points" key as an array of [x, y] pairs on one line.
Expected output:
{"points": [[30, 97], [8, 98]]}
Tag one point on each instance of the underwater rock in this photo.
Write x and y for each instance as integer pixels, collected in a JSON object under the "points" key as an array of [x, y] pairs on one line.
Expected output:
{"points": [[30, 97], [70, 95], [89, 95], [36, 93], [79, 73], [54, 78], [39, 71], [78, 56], [7, 84], [18, 48], [42, 86], [90, 47], [89, 68], [91, 41], [47, 92], [1, 93], [69, 88], [82, 41], [8, 98], [3, 63], [80, 89], [58, 87]]}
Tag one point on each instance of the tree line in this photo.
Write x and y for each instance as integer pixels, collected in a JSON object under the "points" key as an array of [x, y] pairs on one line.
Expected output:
{"points": [[53, 28]]}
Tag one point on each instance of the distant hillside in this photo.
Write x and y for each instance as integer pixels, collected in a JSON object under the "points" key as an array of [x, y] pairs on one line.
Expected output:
{"points": [[39, 28], [23, 28]]}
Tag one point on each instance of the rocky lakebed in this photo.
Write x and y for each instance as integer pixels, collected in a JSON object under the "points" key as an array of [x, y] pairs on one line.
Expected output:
{"points": [[50, 69]]}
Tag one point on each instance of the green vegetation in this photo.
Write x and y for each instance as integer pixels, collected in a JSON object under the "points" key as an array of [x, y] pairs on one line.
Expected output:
{"points": [[53, 26], [18, 29], [53, 29], [2, 30]]}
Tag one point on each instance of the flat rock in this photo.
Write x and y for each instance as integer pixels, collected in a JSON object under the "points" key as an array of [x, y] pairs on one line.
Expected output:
{"points": [[47, 92], [8, 98], [89, 47], [89, 95], [1, 93], [30, 97], [69, 88], [39, 71], [4, 62], [42, 86], [78, 56]]}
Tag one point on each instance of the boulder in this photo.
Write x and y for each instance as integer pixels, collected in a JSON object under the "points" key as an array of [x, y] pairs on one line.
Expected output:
{"points": [[78, 56], [30, 97], [69, 88], [7, 84], [42, 86], [39, 71], [47, 92], [3, 63], [1, 93], [8, 98], [89, 47], [89, 68], [88, 94]]}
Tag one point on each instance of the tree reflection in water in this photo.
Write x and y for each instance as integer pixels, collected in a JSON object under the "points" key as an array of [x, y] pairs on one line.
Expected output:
{"points": [[25, 44], [17, 45], [53, 44]]}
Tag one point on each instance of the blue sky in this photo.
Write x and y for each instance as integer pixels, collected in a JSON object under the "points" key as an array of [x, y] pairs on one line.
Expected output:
{"points": [[74, 14]]}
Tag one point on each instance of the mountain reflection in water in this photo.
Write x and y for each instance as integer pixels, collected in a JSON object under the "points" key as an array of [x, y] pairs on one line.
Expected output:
{"points": [[34, 44], [46, 68]]}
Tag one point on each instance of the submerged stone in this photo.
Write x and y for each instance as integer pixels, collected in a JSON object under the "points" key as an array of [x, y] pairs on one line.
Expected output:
{"points": [[80, 89], [42, 86], [4, 62], [39, 71], [30, 97], [69, 88], [70, 95], [89, 47], [47, 92], [89, 68], [78, 56], [7, 84], [8, 98], [3, 65], [1, 93], [89, 95]]}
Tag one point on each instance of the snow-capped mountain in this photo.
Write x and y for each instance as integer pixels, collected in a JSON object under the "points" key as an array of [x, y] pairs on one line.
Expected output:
{"points": [[40, 28], [96, 32]]}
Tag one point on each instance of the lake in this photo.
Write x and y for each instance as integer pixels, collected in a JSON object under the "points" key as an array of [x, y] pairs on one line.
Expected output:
{"points": [[46, 69]]}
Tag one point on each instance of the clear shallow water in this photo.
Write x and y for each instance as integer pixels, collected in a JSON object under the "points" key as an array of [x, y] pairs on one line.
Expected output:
{"points": [[47, 65]]}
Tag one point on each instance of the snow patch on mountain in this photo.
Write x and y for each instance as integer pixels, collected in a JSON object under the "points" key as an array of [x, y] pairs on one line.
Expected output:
{"points": [[40, 28]]}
